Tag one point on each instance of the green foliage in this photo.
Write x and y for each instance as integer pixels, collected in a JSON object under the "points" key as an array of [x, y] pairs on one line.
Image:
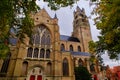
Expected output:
{"points": [[56, 4], [108, 22], [10, 11], [16, 14], [4, 49], [81, 73], [92, 47], [95, 50]]}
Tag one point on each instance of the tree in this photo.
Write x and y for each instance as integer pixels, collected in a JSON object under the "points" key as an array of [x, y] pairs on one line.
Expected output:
{"points": [[93, 49], [15, 15], [81, 73], [108, 22], [15, 19]]}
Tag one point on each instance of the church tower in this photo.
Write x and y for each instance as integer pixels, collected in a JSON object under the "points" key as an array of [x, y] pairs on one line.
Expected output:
{"points": [[81, 28]]}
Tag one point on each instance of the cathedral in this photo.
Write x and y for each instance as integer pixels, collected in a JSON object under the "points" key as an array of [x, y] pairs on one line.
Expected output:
{"points": [[47, 55]]}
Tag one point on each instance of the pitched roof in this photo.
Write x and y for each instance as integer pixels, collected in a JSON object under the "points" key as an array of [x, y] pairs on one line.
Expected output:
{"points": [[69, 38], [78, 53]]}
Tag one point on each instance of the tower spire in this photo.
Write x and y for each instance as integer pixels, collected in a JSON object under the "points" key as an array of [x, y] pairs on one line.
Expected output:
{"points": [[55, 17], [78, 8]]}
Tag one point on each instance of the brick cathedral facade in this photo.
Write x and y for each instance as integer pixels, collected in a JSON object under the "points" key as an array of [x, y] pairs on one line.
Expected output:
{"points": [[47, 55]]}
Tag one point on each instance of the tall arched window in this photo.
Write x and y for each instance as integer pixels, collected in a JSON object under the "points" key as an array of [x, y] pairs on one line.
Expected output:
{"points": [[65, 67], [41, 36], [42, 52], [5, 65], [62, 47], [29, 52], [24, 68], [47, 53], [36, 50], [80, 62], [79, 48], [71, 48]]}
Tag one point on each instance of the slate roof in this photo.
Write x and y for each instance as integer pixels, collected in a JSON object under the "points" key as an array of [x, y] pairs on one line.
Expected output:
{"points": [[69, 38], [78, 53]]}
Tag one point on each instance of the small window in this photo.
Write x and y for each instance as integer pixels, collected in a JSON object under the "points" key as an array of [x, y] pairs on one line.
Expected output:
{"points": [[47, 53], [71, 48], [36, 50], [79, 48], [80, 62], [42, 52], [29, 53], [62, 47]]}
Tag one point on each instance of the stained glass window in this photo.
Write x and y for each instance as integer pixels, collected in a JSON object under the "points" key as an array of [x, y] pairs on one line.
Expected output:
{"points": [[65, 67], [36, 51], [29, 53], [47, 53], [42, 52]]}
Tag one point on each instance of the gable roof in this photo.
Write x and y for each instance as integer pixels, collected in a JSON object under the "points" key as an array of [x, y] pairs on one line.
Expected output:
{"points": [[69, 38], [43, 12]]}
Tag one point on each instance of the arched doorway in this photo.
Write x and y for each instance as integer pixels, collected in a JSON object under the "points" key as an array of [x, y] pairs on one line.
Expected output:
{"points": [[35, 74]]}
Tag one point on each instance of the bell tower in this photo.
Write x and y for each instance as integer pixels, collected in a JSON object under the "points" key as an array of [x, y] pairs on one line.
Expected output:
{"points": [[81, 28]]}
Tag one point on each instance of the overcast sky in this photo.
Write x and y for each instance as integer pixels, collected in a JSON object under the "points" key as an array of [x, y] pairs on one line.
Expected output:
{"points": [[65, 20]]}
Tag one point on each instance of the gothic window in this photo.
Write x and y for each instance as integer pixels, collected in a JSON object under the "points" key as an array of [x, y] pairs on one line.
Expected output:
{"points": [[5, 65], [71, 48], [79, 48], [42, 52], [36, 51], [62, 47], [41, 36], [24, 68], [65, 67], [47, 53], [80, 62], [29, 52]]}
